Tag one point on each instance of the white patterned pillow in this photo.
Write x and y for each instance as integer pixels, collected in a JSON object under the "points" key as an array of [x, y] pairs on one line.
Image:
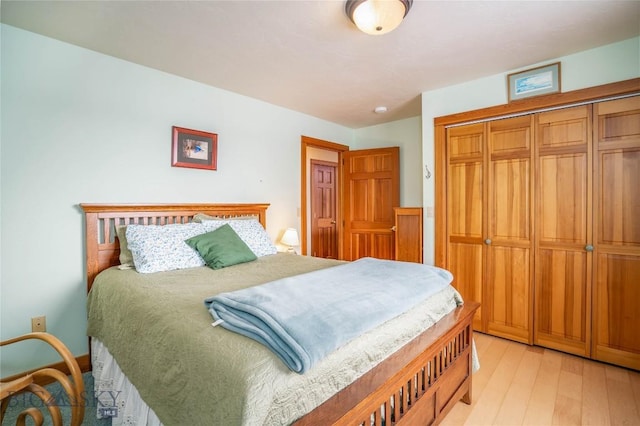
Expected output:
{"points": [[250, 231], [158, 248]]}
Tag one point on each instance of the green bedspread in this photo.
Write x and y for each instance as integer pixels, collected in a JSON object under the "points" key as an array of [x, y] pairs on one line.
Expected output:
{"points": [[188, 372]]}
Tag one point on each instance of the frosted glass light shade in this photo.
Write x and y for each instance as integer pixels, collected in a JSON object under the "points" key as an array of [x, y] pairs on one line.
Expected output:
{"points": [[290, 238], [377, 17]]}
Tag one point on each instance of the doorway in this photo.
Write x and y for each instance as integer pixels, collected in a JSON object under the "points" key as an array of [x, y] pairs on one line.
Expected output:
{"points": [[318, 150], [324, 209]]}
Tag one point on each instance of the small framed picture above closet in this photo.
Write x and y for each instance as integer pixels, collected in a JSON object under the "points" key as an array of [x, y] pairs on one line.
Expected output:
{"points": [[534, 82]]}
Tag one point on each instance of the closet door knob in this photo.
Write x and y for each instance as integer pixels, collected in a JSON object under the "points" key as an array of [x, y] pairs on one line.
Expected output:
{"points": [[488, 241], [589, 247]]}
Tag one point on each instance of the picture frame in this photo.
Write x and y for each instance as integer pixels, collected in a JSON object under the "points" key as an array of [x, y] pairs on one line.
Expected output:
{"points": [[537, 81], [194, 149]]}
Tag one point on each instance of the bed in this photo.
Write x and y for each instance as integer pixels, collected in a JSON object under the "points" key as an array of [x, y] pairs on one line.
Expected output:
{"points": [[413, 378]]}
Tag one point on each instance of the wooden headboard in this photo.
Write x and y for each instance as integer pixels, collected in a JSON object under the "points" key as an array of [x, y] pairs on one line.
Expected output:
{"points": [[102, 246]]}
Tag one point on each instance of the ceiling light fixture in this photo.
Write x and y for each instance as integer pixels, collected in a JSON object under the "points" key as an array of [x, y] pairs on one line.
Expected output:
{"points": [[377, 17], [380, 109]]}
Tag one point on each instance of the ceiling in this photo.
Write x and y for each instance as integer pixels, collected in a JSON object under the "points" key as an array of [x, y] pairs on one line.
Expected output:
{"points": [[308, 57]]}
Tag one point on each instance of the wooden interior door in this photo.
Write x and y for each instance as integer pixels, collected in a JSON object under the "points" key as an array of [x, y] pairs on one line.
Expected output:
{"points": [[465, 213], [372, 190], [324, 200], [616, 310], [508, 291], [562, 312]]}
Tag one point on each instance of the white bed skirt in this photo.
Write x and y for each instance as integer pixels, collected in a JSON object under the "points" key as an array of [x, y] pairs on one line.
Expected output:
{"points": [[117, 397]]}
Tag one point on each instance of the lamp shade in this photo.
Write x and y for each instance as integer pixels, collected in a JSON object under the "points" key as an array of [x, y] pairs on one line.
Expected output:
{"points": [[377, 17], [290, 237]]}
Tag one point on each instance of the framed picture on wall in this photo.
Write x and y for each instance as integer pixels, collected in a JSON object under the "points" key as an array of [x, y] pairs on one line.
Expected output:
{"points": [[194, 149], [534, 82]]}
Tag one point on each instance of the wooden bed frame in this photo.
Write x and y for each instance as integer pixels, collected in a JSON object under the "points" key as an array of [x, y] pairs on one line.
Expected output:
{"points": [[418, 384]]}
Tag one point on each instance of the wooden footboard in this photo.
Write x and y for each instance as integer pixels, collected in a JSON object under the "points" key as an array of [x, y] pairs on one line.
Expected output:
{"points": [[417, 385]]}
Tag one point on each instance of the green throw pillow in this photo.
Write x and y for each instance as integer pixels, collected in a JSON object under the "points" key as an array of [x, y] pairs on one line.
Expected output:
{"points": [[221, 248], [126, 258]]}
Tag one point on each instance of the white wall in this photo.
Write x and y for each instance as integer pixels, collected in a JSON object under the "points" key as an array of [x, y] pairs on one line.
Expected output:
{"points": [[407, 134], [78, 126], [606, 64]]}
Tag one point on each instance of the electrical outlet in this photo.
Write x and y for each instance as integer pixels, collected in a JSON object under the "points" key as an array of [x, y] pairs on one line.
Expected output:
{"points": [[39, 323]]}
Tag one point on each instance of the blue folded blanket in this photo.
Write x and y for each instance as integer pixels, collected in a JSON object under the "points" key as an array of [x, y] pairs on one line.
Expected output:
{"points": [[305, 317]]}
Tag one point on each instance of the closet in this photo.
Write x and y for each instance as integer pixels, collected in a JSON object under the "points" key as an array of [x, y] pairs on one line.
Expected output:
{"points": [[540, 223]]}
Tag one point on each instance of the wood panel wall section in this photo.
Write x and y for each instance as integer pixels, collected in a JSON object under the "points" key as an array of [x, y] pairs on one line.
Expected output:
{"points": [[408, 234], [537, 218]]}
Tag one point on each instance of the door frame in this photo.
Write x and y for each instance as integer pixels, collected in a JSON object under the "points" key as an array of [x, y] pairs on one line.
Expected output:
{"points": [[306, 142]]}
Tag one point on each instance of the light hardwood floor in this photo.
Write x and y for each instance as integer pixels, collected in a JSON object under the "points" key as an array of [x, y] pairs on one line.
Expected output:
{"points": [[527, 385]]}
